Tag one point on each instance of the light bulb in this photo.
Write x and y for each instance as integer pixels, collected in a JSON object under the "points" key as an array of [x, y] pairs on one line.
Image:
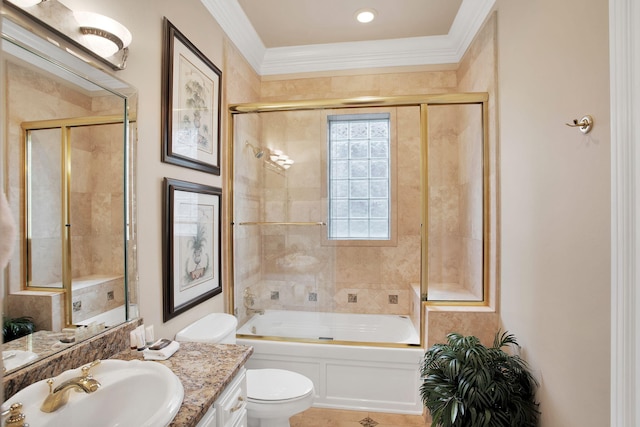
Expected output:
{"points": [[365, 15]]}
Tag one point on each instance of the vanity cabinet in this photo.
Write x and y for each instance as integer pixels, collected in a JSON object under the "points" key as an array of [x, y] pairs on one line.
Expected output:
{"points": [[230, 409]]}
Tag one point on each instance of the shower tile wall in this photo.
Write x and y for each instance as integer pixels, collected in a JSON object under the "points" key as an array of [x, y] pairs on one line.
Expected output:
{"points": [[244, 86]]}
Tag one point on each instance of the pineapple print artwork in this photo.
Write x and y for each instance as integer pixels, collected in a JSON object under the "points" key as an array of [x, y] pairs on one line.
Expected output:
{"points": [[197, 249]]}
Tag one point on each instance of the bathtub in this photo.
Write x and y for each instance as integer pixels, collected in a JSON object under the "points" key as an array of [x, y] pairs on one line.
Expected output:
{"points": [[365, 377], [370, 328]]}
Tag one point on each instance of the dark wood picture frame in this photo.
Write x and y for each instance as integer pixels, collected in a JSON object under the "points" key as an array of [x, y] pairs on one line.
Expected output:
{"points": [[191, 103], [191, 243]]}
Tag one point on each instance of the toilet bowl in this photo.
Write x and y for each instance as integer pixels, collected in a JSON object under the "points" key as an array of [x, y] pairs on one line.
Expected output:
{"points": [[273, 395]]}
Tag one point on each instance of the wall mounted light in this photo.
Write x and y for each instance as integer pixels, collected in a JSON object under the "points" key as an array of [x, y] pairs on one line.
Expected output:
{"points": [[92, 37], [103, 35]]}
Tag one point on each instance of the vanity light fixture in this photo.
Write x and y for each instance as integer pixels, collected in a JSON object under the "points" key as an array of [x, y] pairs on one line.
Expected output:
{"points": [[95, 39], [365, 16], [104, 36]]}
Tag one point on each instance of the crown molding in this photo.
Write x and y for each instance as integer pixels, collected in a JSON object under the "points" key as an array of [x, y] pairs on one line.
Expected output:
{"points": [[238, 28], [431, 50]]}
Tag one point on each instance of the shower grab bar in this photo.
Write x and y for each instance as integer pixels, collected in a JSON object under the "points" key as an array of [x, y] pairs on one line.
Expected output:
{"points": [[282, 223]]}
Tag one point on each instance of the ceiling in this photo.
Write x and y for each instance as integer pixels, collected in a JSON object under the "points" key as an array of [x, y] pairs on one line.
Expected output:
{"points": [[304, 22], [280, 37]]}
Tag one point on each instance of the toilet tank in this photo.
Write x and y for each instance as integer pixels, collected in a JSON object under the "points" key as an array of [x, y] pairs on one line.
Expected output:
{"points": [[215, 328]]}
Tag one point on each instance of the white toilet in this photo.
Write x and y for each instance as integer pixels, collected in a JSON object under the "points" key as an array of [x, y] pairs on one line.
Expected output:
{"points": [[273, 395]]}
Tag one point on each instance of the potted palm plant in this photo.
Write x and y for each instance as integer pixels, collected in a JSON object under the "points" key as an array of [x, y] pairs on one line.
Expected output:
{"points": [[465, 384], [17, 327]]}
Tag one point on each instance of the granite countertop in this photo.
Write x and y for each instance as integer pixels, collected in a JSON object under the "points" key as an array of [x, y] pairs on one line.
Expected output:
{"points": [[204, 370]]}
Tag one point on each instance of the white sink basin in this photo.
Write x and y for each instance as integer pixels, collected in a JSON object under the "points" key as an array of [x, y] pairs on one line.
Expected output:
{"points": [[11, 359], [135, 393]]}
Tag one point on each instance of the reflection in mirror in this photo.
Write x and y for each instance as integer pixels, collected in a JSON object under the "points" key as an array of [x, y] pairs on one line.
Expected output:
{"points": [[74, 217], [68, 156]]}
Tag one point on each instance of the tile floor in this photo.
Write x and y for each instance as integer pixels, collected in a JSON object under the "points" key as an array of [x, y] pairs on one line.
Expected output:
{"points": [[316, 417]]}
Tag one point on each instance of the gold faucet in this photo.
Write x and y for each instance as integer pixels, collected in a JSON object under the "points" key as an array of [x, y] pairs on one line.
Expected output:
{"points": [[15, 417], [59, 396]]}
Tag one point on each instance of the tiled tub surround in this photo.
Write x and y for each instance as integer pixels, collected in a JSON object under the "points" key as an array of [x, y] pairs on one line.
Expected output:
{"points": [[101, 346], [204, 370]]}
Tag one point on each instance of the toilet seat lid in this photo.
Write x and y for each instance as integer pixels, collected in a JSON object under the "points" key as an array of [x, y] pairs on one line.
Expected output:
{"points": [[277, 384]]}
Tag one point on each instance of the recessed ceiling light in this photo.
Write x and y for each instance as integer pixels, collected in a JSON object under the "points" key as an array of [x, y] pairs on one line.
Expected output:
{"points": [[365, 15]]}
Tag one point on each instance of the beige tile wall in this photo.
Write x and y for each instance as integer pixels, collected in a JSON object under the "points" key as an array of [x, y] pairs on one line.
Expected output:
{"points": [[478, 72], [243, 85]]}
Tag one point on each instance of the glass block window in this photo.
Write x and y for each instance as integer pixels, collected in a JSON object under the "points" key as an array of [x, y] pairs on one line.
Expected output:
{"points": [[359, 177]]}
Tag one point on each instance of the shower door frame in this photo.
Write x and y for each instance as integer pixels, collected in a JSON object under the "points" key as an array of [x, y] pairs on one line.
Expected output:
{"points": [[421, 101]]}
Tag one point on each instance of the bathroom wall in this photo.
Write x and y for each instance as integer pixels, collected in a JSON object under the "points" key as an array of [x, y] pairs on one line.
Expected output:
{"points": [[555, 204]]}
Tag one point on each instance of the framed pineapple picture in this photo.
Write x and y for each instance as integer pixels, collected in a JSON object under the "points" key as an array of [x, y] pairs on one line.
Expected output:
{"points": [[191, 245], [190, 104]]}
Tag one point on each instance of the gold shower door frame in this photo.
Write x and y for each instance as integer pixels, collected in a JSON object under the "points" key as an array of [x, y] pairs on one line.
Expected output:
{"points": [[422, 101], [65, 126]]}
